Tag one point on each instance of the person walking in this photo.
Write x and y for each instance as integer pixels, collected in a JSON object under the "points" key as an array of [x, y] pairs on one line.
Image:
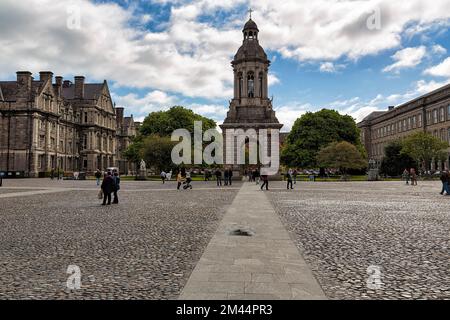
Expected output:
{"points": [[413, 177], [188, 181], [98, 175], [107, 188], [218, 174], [406, 176], [163, 176], [294, 174], [289, 179], [181, 177], [444, 179], [230, 176], [225, 177], [265, 180], [52, 174], [116, 186]]}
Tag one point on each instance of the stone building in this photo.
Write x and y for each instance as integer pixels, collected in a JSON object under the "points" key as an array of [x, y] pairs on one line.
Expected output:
{"points": [[47, 125], [250, 107], [429, 113]]}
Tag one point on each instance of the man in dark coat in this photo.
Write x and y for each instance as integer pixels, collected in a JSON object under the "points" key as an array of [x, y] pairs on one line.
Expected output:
{"points": [[218, 174], [444, 180], [107, 188], [225, 176], [230, 176]]}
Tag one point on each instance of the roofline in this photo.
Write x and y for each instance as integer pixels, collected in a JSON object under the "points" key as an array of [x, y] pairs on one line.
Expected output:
{"points": [[404, 105]]}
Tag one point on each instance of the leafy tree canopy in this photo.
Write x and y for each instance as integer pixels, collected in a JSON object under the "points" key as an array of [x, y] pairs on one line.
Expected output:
{"points": [[156, 151], [341, 155], [423, 147], [395, 161], [163, 123], [313, 131]]}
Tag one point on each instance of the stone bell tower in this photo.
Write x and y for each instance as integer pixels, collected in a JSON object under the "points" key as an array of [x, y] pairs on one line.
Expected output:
{"points": [[250, 107]]}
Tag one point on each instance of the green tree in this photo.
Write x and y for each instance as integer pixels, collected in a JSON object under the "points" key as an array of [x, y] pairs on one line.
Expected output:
{"points": [[313, 131], [395, 161], [163, 123], [156, 151], [341, 155], [133, 152], [424, 148]]}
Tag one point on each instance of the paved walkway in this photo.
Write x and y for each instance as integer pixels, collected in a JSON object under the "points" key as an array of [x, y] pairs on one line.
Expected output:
{"points": [[266, 265]]}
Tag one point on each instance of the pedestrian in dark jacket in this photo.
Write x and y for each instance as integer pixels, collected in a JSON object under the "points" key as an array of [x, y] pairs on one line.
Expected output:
{"points": [[444, 180], [218, 174], [107, 188], [225, 177], [230, 176], [116, 186], [265, 180], [289, 178]]}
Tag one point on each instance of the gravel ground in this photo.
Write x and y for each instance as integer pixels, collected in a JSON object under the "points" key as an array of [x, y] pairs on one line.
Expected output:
{"points": [[343, 228], [144, 248]]}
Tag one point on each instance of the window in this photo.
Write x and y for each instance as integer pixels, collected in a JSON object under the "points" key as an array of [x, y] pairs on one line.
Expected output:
{"points": [[414, 122], [241, 84], [85, 117], [260, 84], [419, 121], [409, 124], [250, 85], [435, 116], [442, 115], [429, 117], [85, 141]]}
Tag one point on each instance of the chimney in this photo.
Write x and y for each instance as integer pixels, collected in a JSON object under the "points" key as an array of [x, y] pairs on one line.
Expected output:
{"points": [[58, 85], [79, 87], [119, 116], [391, 108], [67, 83], [45, 75], [24, 81]]}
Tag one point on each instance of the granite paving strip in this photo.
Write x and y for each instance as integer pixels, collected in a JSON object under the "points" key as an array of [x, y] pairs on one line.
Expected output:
{"points": [[266, 265], [33, 192]]}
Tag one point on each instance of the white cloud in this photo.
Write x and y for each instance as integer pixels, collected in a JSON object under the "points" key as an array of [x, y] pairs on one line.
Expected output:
{"points": [[438, 49], [406, 58], [287, 114], [330, 67], [441, 70]]}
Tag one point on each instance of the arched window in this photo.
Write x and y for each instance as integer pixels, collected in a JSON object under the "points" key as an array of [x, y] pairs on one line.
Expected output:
{"points": [[241, 84], [250, 85], [260, 84]]}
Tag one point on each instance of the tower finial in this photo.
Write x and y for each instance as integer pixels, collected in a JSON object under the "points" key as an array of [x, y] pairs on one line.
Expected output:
{"points": [[250, 12]]}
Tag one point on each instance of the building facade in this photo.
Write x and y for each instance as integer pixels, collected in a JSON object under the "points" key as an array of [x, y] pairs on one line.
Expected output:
{"points": [[429, 113], [48, 125], [250, 107]]}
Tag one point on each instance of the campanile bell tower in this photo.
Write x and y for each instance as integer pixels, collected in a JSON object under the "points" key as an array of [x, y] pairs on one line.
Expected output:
{"points": [[251, 104], [251, 107]]}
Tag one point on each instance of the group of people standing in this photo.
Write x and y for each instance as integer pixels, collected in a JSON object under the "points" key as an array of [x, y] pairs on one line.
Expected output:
{"points": [[227, 177], [184, 177], [110, 185], [410, 175]]}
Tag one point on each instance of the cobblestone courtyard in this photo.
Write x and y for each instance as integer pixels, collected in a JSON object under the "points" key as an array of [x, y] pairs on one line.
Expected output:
{"points": [[143, 248], [147, 246], [343, 228]]}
